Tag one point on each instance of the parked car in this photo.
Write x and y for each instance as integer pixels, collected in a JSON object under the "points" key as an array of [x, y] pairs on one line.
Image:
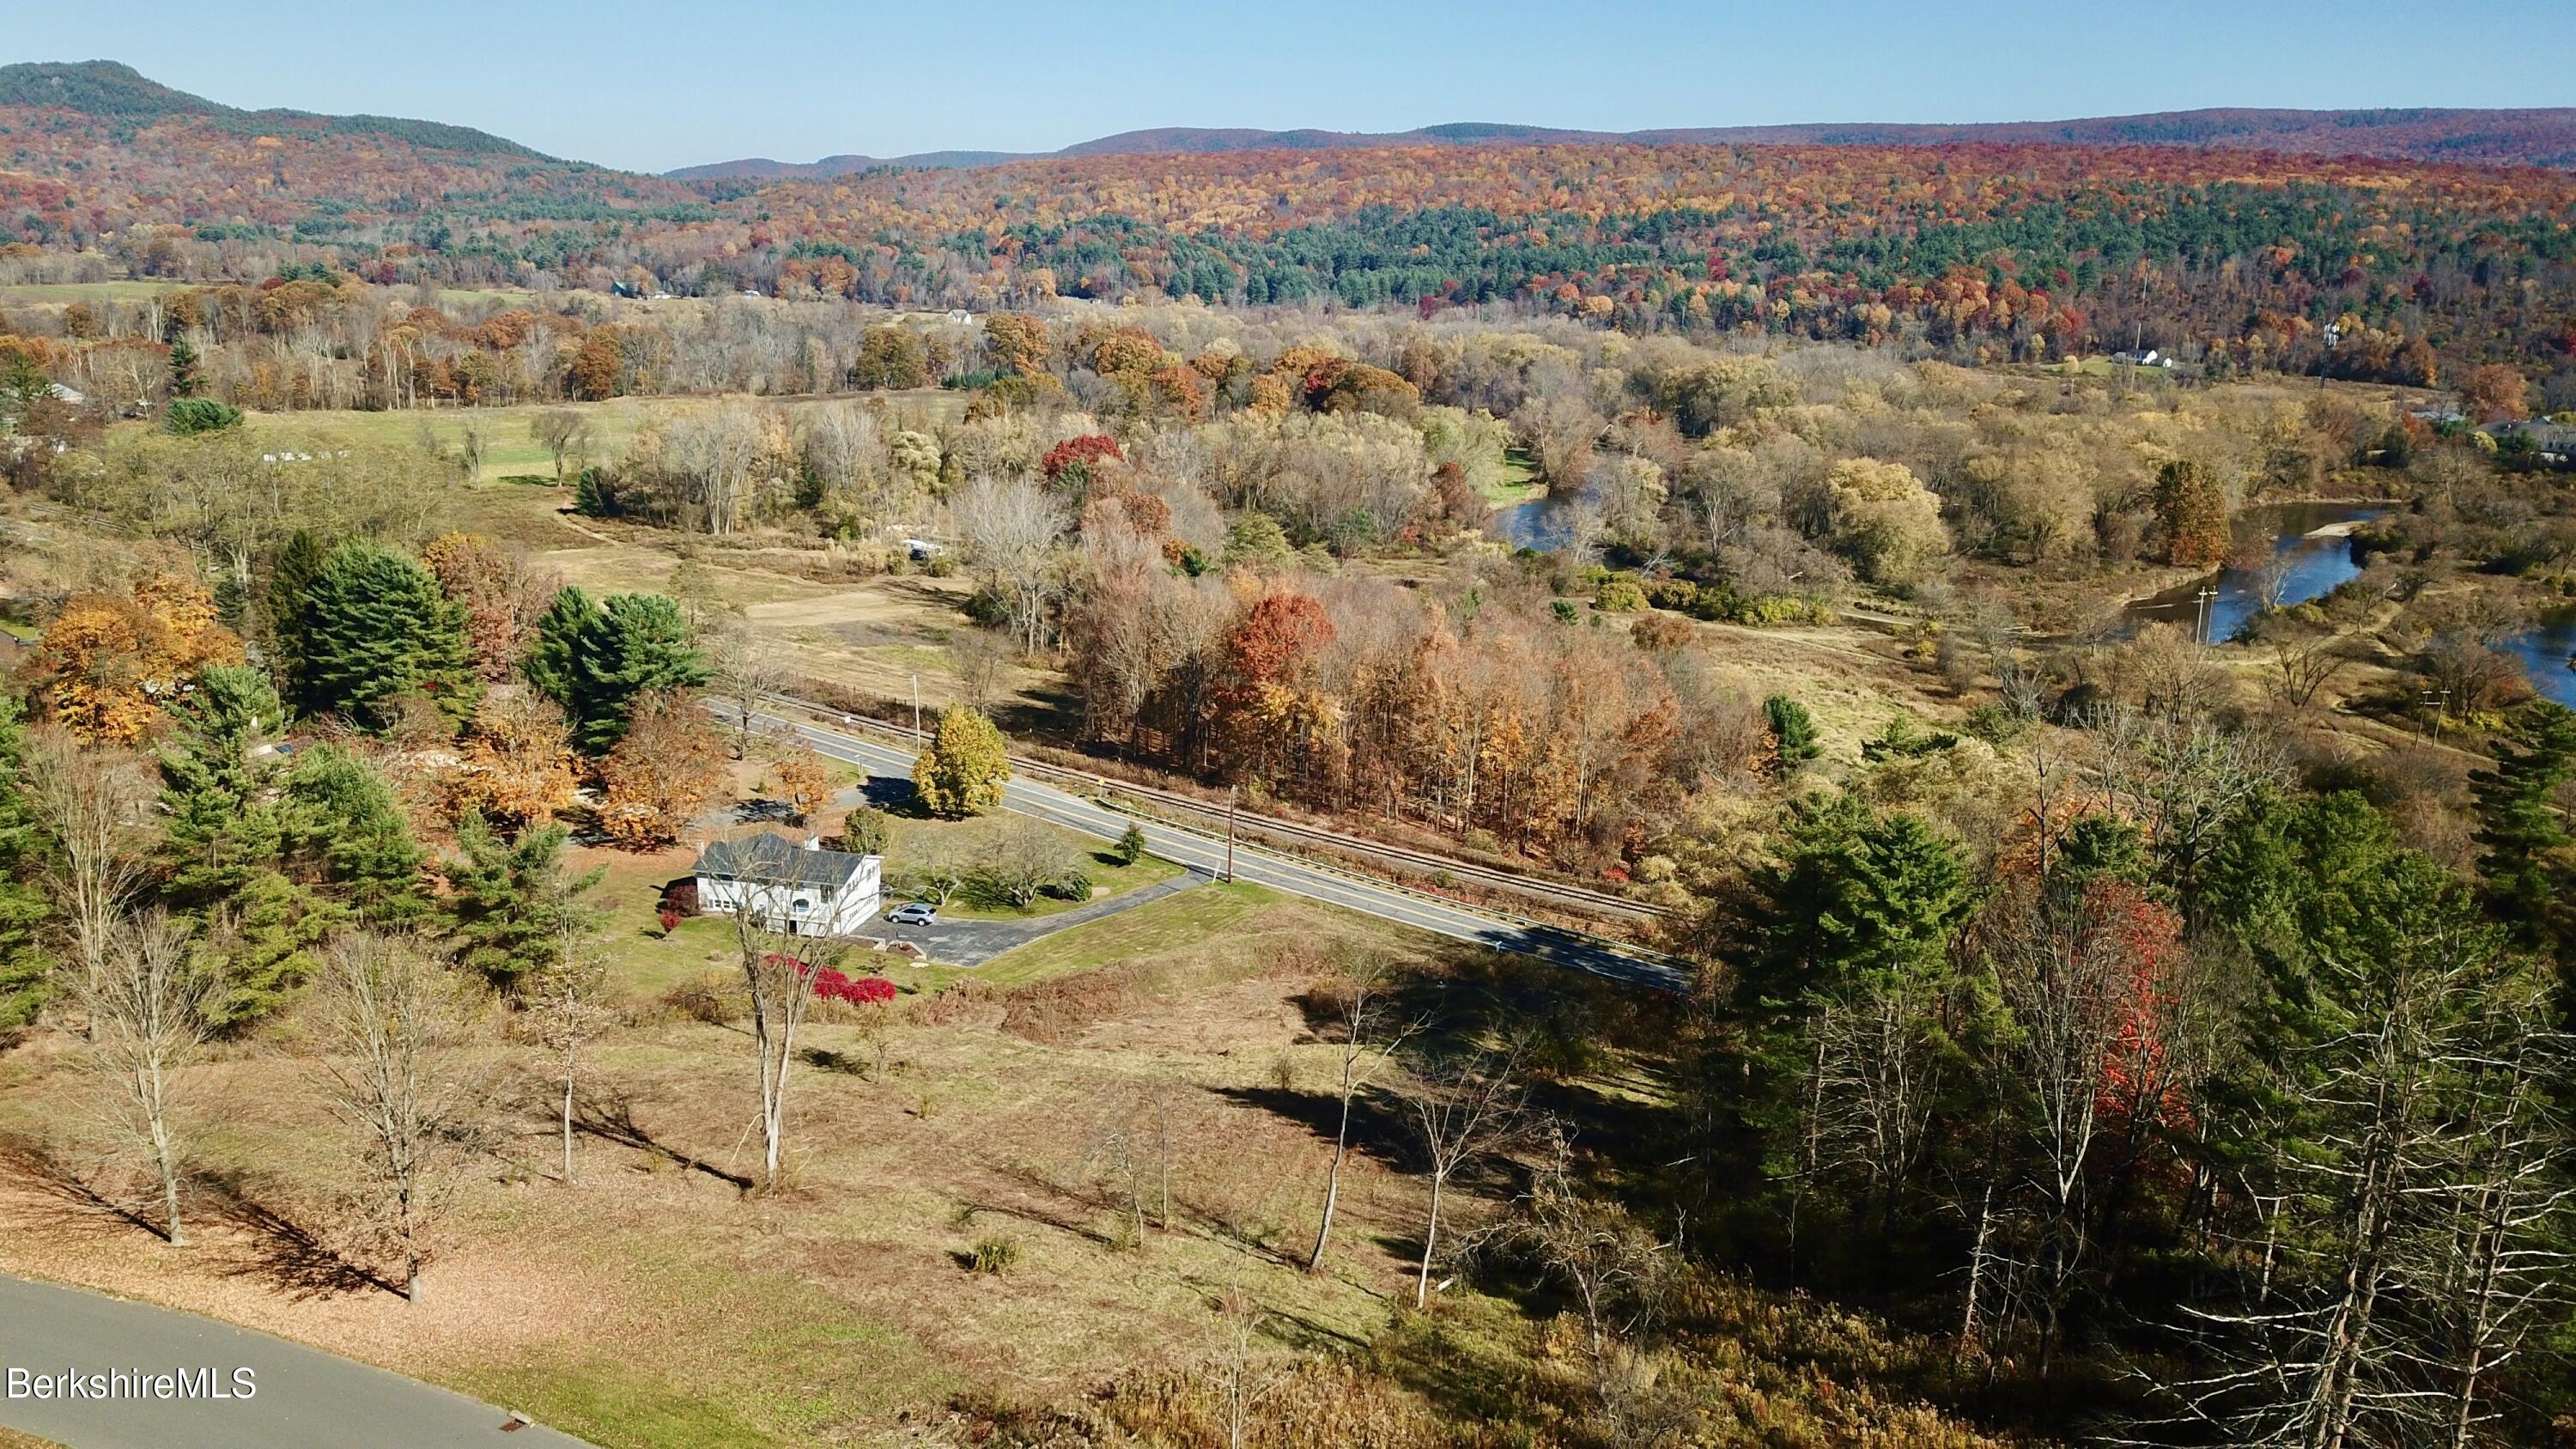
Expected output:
{"points": [[914, 913]]}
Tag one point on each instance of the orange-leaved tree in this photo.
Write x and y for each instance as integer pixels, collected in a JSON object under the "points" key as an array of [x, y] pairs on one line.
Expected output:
{"points": [[665, 769], [107, 664]]}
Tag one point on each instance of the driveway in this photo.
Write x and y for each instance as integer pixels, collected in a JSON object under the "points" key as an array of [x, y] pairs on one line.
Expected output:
{"points": [[301, 1398], [972, 943]]}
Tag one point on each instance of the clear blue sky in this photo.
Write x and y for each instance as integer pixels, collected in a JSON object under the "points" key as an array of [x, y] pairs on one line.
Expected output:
{"points": [[652, 85]]}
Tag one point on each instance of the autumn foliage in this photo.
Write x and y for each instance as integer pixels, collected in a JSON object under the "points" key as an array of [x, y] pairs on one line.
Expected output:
{"points": [[665, 770], [107, 663]]}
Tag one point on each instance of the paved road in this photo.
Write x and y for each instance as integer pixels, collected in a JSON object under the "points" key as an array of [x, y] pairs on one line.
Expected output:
{"points": [[957, 941], [1201, 853], [303, 1398]]}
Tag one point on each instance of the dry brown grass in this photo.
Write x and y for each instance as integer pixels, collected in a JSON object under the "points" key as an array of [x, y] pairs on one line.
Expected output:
{"points": [[828, 1309]]}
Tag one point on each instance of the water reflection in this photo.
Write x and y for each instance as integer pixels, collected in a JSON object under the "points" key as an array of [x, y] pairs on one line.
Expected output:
{"points": [[1545, 523], [2309, 566], [2544, 652]]}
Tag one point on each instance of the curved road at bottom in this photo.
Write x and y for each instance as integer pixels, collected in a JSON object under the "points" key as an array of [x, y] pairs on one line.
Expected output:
{"points": [[169, 1363], [1200, 852]]}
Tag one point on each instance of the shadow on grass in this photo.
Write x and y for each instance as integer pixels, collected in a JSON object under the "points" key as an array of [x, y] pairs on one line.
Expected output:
{"points": [[76, 1199], [1380, 1129], [281, 1252], [847, 1064], [615, 1122], [894, 796]]}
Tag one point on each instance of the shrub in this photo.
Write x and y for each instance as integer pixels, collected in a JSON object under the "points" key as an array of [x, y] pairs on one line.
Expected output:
{"points": [[1620, 596], [1660, 633], [1793, 732], [993, 1255], [709, 999], [1995, 724], [865, 831], [1564, 611], [189, 416], [832, 985], [1073, 885]]}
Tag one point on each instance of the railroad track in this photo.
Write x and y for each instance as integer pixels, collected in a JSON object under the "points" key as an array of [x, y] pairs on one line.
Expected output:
{"points": [[1574, 897]]}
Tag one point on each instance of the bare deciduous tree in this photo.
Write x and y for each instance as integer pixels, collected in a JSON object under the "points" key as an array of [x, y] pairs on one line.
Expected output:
{"points": [[1619, 1278], [90, 803], [748, 669], [148, 1022], [564, 434], [568, 1007], [1463, 1108], [1013, 530], [1365, 1048], [393, 1022], [779, 977]]}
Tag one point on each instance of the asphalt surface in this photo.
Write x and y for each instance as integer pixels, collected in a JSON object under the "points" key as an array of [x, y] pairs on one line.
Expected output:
{"points": [[302, 1398], [1205, 855], [960, 942]]}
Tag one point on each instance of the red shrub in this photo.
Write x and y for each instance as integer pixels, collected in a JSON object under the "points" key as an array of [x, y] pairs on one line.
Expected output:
{"points": [[831, 985]]}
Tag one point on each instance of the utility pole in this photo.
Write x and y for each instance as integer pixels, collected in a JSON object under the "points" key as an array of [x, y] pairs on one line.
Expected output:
{"points": [[1229, 834], [2200, 632], [916, 707]]}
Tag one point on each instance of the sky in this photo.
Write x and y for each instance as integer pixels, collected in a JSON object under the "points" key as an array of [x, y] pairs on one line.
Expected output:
{"points": [[652, 85]]}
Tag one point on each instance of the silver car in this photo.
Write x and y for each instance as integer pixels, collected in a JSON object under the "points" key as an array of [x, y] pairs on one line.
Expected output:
{"points": [[913, 913]]}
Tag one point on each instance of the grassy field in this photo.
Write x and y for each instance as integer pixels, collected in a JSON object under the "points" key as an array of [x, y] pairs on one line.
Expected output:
{"points": [[60, 294], [510, 448], [1206, 914], [1519, 482], [654, 1303]]}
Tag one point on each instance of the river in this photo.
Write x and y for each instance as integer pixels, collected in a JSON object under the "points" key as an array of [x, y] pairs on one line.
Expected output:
{"points": [[2317, 565], [1540, 523]]}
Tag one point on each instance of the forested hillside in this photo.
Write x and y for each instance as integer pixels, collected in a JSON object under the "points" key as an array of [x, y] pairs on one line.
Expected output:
{"points": [[1993, 251]]}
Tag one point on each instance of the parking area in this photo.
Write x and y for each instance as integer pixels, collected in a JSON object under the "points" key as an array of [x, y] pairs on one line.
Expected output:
{"points": [[972, 943]]}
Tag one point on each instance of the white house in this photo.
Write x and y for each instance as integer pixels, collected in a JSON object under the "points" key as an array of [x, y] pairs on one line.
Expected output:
{"points": [[805, 890]]}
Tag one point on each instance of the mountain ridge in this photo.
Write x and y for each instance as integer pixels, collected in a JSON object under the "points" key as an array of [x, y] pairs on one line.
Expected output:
{"points": [[2528, 136], [113, 90]]}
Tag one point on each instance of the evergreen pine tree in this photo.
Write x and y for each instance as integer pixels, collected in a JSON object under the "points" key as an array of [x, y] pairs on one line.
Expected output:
{"points": [[555, 646], [637, 644], [185, 380], [346, 832], [514, 905], [23, 965], [2524, 839], [288, 606], [260, 942], [1793, 733], [381, 627], [216, 786]]}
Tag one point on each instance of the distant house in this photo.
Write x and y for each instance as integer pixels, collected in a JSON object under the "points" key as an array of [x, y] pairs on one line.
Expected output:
{"points": [[2553, 442], [66, 396], [802, 889], [960, 315], [2144, 357]]}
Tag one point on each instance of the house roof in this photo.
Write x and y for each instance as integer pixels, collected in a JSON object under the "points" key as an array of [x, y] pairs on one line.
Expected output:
{"points": [[773, 859]]}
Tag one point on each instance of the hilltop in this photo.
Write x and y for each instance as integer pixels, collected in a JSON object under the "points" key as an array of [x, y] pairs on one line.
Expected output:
{"points": [[106, 89], [2528, 137]]}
